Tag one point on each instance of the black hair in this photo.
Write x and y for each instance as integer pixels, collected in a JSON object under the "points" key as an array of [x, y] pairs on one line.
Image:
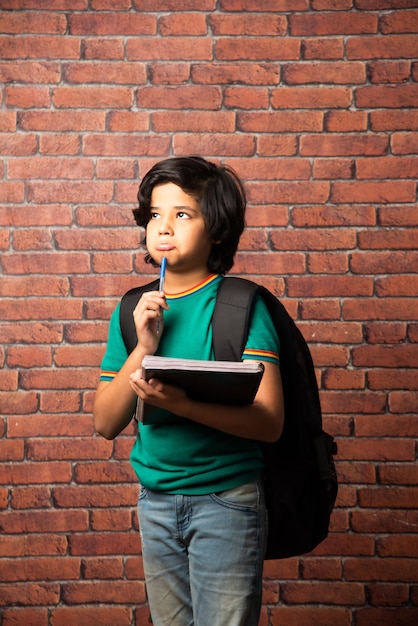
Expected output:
{"points": [[221, 197]]}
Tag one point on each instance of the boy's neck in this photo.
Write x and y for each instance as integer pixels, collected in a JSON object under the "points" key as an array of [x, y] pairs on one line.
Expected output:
{"points": [[179, 282]]}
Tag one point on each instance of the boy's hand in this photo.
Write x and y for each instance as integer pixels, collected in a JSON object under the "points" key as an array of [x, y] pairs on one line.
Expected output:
{"points": [[157, 393], [148, 318]]}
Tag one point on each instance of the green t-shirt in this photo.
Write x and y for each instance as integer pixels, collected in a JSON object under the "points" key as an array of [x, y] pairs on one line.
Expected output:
{"points": [[183, 456]]}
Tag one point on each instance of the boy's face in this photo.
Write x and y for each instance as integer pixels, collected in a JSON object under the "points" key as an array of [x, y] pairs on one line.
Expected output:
{"points": [[177, 230]]}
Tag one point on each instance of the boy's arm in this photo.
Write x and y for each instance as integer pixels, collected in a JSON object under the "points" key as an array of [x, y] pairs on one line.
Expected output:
{"points": [[262, 420], [114, 402]]}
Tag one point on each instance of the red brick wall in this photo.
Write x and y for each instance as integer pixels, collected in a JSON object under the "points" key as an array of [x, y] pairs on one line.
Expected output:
{"points": [[312, 102]]}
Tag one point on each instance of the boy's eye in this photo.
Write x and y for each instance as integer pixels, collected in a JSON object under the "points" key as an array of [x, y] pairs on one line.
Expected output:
{"points": [[183, 215], [154, 215]]}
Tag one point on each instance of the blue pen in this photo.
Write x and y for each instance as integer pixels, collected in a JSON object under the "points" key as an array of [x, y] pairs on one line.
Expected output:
{"points": [[162, 273], [161, 285]]}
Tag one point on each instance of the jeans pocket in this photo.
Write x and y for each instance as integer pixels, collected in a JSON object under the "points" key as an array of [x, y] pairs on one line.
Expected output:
{"points": [[143, 492], [243, 497]]}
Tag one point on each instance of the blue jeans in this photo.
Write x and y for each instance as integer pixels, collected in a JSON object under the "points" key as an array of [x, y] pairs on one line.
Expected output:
{"points": [[203, 556]]}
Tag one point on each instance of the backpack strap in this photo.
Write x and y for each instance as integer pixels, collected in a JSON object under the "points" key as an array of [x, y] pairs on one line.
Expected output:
{"points": [[231, 317], [127, 306]]}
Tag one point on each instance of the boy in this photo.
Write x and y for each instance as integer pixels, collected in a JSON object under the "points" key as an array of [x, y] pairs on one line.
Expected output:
{"points": [[201, 507]]}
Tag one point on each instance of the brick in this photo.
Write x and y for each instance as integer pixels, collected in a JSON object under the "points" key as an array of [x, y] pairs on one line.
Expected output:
{"points": [[190, 97], [107, 567], [81, 378], [311, 97], [325, 593], [32, 593], [389, 71], [392, 425], [383, 191], [58, 144], [319, 309], [323, 48], [106, 472], [215, 144], [276, 145], [345, 121], [182, 24], [169, 73], [246, 98], [388, 262], [403, 401], [91, 615], [11, 451], [393, 120], [111, 263], [386, 356], [387, 594], [292, 192], [387, 167], [403, 474], [59, 402], [111, 520], [343, 379], [329, 332], [245, 24], [38, 568], [78, 191], [169, 49], [336, 215], [39, 47], [404, 143], [399, 22], [385, 521], [343, 145], [257, 49], [379, 450], [264, 5], [398, 216], [399, 96], [90, 23], [125, 145], [42, 308], [98, 72], [34, 545], [92, 97], [306, 239], [353, 402], [17, 145], [44, 425], [245, 73], [387, 47], [38, 72], [27, 97], [79, 448], [335, 73], [22, 356], [194, 121], [401, 286], [42, 263], [280, 121], [35, 617], [401, 238], [331, 5], [101, 49], [363, 309], [330, 24], [282, 263], [384, 332], [294, 616], [30, 498], [62, 120], [19, 402], [7, 121]]}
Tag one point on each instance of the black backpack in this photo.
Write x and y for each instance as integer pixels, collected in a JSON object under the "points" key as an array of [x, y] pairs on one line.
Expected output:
{"points": [[300, 478]]}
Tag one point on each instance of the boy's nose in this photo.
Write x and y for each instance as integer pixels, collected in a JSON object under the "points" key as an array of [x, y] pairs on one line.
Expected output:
{"points": [[165, 226]]}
